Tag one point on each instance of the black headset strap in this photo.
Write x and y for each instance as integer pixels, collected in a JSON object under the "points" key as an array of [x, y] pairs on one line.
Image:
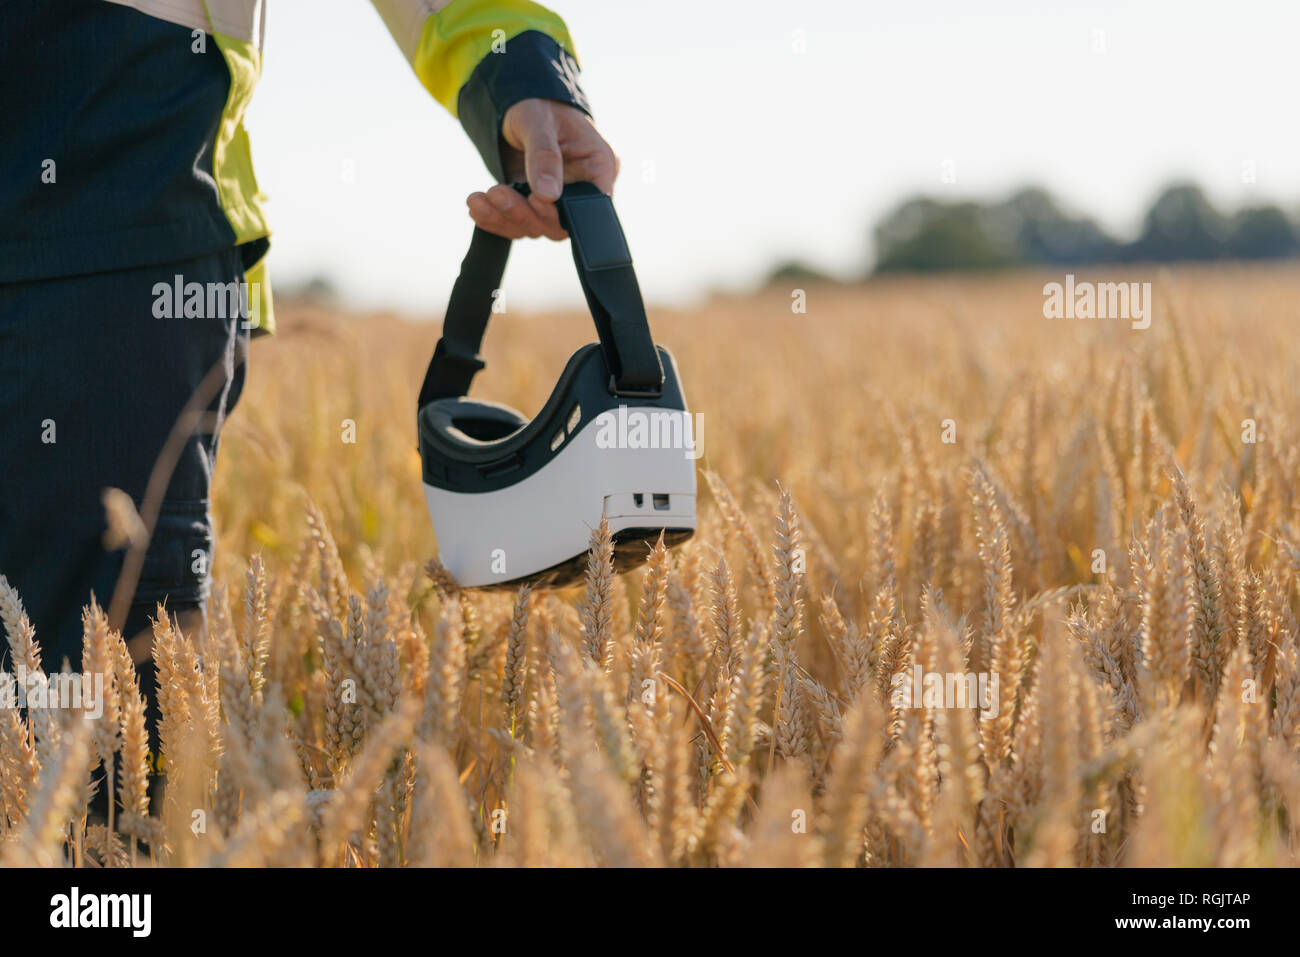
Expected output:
{"points": [[608, 281]]}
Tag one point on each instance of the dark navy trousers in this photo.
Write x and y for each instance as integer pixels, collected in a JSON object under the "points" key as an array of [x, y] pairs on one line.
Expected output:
{"points": [[92, 382]]}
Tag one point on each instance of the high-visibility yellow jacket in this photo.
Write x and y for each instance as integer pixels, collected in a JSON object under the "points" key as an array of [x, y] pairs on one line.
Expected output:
{"points": [[476, 57]]}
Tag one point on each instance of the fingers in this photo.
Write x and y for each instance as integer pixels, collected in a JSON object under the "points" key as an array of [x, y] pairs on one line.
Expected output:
{"points": [[557, 144], [529, 128], [503, 211], [587, 155], [543, 160]]}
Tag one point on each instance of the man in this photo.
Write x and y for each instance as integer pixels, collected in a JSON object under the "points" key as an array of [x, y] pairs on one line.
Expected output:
{"points": [[125, 166]]}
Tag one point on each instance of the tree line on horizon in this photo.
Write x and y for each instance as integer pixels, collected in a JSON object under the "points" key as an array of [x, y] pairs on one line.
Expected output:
{"points": [[1031, 228]]}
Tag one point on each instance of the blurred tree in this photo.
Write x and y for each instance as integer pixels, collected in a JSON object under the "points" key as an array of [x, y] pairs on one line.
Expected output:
{"points": [[797, 272], [923, 235], [1182, 225], [319, 289], [1262, 232], [1031, 228], [1041, 233]]}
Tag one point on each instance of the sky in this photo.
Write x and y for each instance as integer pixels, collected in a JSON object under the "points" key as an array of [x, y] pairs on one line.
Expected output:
{"points": [[755, 132]]}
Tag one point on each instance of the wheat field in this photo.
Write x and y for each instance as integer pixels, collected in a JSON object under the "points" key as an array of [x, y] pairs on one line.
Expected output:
{"points": [[916, 474]]}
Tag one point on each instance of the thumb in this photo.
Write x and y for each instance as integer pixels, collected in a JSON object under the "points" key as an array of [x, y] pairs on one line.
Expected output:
{"points": [[543, 163]]}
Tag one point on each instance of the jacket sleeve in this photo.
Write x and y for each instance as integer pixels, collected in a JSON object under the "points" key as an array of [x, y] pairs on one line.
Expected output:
{"points": [[480, 57]]}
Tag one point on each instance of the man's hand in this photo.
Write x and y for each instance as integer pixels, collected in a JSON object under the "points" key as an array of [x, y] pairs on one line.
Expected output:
{"points": [[549, 143]]}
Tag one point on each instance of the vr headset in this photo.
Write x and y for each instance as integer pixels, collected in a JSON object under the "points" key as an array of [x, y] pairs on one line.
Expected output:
{"points": [[515, 500]]}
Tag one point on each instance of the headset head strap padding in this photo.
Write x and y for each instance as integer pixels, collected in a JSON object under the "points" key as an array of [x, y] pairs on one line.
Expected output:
{"points": [[605, 270]]}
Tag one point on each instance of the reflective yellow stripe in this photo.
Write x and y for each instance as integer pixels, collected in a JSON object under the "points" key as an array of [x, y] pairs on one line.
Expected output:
{"points": [[457, 38], [232, 164], [261, 318]]}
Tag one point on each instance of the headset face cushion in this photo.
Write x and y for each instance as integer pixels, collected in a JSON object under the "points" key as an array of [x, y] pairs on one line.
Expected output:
{"points": [[472, 422]]}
